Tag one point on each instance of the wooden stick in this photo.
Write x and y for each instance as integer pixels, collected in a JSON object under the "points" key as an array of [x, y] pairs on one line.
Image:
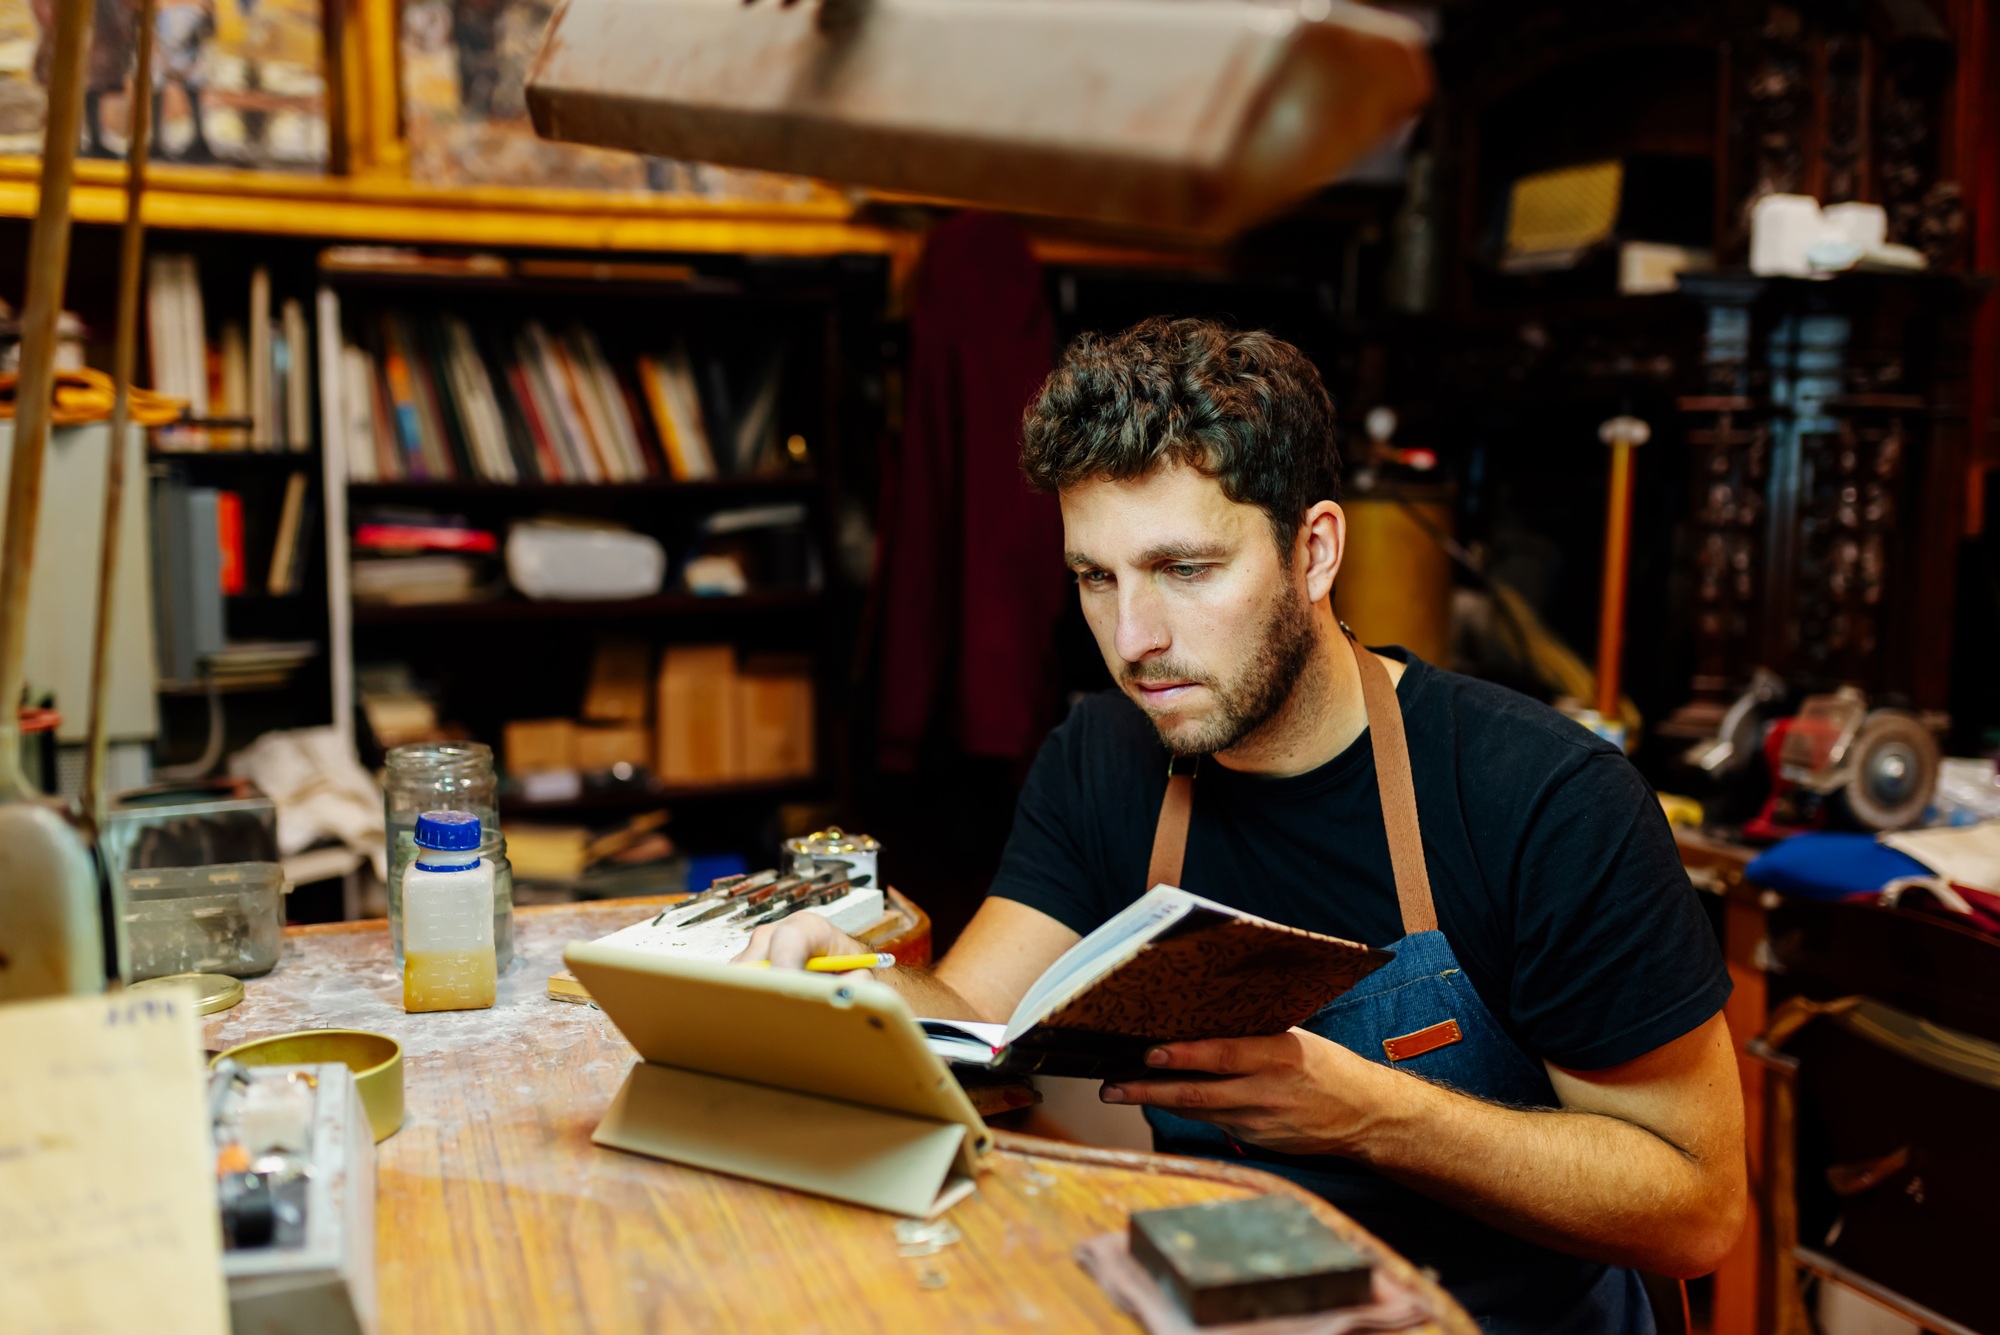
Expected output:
{"points": [[1611, 606], [131, 259], [1623, 435], [48, 272]]}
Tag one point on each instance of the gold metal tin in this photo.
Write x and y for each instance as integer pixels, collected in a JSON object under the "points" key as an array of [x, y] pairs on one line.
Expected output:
{"points": [[375, 1059], [213, 991]]}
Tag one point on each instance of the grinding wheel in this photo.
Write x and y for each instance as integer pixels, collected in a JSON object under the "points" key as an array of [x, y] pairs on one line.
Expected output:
{"points": [[1893, 771]]}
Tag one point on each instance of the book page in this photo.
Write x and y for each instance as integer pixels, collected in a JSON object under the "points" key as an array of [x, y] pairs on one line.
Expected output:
{"points": [[107, 1184], [971, 1042], [1118, 937]]}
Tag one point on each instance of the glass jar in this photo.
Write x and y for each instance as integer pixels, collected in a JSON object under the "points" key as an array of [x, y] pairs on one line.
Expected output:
{"points": [[834, 849], [454, 776]]}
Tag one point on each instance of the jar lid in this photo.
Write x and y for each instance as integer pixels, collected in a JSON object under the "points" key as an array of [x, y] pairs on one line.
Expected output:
{"points": [[212, 991], [833, 839], [450, 831]]}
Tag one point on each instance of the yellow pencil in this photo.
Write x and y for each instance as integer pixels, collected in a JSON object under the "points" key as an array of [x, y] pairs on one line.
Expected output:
{"points": [[835, 963]]}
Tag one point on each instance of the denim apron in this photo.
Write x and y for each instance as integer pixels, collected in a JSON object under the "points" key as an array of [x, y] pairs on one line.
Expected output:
{"points": [[1420, 1014]]}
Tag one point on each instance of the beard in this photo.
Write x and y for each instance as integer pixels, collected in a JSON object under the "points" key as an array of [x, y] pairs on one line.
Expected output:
{"points": [[1251, 698]]}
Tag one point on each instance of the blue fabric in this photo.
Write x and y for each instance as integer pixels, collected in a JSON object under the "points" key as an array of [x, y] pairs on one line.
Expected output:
{"points": [[706, 867], [1830, 866], [1510, 1285]]}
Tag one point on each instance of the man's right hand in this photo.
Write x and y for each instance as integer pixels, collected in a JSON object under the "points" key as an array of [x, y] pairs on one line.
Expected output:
{"points": [[998, 957], [789, 942]]}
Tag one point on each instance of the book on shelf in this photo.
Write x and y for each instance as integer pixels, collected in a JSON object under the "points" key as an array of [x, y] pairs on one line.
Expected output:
{"points": [[187, 584], [297, 363], [429, 396], [229, 541], [177, 344], [756, 443], [1168, 968], [234, 399], [417, 581], [287, 548], [412, 557], [263, 389], [251, 389], [675, 403], [357, 413], [242, 664]]}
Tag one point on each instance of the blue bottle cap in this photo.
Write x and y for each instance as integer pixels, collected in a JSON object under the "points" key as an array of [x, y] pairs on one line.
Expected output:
{"points": [[452, 831]]}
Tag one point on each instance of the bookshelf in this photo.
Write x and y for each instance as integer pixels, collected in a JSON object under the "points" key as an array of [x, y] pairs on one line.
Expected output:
{"points": [[499, 659]]}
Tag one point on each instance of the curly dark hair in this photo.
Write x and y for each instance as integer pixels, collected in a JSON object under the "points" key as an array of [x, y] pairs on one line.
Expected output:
{"points": [[1244, 407]]}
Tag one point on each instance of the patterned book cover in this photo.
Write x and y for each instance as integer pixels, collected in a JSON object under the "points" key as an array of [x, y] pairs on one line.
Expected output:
{"points": [[1215, 976]]}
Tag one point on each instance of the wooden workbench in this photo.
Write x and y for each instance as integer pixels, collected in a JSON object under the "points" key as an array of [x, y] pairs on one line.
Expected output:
{"points": [[497, 1213]]}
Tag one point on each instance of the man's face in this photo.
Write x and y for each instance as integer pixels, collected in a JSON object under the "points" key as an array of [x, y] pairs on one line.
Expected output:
{"points": [[1202, 621]]}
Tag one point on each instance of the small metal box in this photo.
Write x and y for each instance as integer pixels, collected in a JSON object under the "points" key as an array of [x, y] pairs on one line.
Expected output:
{"points": [[317, 1275], [194, 824], [1243, 1260]]}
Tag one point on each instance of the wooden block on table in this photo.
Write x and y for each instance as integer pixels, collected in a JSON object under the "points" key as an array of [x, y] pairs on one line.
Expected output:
{"points": [[534, 745], [619, 673], [699, 726], [775, 695], [1244, 1260], [600, 748]]}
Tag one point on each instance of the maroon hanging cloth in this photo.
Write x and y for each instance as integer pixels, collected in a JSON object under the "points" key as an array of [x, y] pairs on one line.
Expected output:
{"points": [[972, 573]]}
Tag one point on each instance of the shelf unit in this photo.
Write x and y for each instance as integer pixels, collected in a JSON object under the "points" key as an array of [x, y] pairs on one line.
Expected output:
{"points": [[512, 657]]}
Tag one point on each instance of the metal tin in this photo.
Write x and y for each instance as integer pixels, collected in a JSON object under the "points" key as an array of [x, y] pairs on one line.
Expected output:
{"points": [[221, 919], [835, 849], [375, 1059], [190, 824], [212, 991]]}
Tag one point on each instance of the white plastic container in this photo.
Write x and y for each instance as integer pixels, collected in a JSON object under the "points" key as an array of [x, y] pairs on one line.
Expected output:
{"points": [[569, 562], [448, 960], [1782, 229]]}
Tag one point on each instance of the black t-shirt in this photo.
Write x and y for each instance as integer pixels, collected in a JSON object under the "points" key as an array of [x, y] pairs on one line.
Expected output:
{"points": [[1555, 876]]}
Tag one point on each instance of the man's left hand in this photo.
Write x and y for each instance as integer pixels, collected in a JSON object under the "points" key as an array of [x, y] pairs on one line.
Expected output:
{"points": [[1295, 1092]]}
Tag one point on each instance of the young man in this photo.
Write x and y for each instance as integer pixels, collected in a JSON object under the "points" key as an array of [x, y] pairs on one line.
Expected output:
{"points": [[1538, 1093]]}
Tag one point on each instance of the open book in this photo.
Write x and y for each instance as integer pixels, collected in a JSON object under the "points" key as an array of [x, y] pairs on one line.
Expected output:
{"points": [[1170, 967]]}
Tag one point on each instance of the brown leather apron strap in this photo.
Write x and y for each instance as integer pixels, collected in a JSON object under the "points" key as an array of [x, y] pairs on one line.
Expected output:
{"points": [[1392, 776], [1170, 834], [1399, 793]]}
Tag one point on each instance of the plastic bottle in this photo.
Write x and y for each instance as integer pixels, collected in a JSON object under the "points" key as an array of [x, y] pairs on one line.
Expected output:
{"points": [[448, 961], [454, 776]]}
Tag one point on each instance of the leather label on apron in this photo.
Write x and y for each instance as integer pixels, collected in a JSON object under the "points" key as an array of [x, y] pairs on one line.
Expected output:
{"points": [[1440, 1035]]}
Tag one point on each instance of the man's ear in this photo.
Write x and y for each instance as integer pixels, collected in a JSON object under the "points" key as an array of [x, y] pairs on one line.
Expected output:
{"points": [[1322, 541]]}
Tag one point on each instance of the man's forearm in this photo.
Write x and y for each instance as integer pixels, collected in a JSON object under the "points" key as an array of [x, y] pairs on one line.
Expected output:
{"points": [[1581, 1182], [927, 995]]}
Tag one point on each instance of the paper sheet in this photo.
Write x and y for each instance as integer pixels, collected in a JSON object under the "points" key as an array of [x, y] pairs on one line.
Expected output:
{"points": [[107, 1191], [1964, 854], [718, 940]]}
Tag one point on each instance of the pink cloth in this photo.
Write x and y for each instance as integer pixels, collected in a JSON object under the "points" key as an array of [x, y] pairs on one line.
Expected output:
{"points": [[972, 573], [1109, 1261]]}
